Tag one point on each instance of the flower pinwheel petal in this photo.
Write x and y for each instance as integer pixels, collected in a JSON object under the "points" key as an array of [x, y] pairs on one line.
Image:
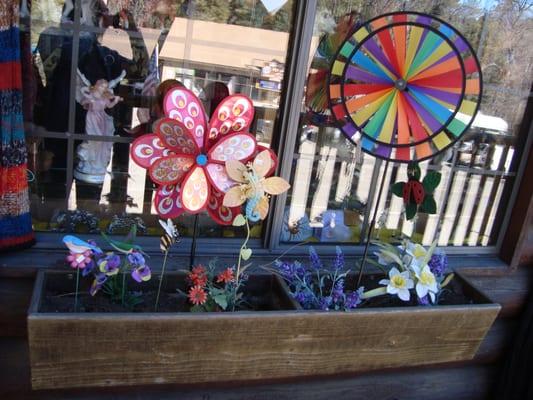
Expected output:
{"points": [[219, 178], [176, 136], [237, 146], [195, 191], [218, 211], [167, 201], [171, 169], [273, 158], [182, 105], [262, 207], [141, 274], [147, 149], [234, 114]]}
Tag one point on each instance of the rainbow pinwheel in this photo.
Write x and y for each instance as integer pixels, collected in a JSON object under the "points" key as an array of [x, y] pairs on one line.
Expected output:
{"points": [[186, 155], [406, 85]]}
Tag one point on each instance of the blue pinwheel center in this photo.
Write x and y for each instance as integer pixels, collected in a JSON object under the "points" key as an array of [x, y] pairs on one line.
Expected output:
{"points": [[201, 160], [400, 84]]}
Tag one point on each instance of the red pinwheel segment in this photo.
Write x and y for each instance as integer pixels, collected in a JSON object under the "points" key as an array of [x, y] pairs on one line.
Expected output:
{"points": [[408, 84], [146, 149], [176, 136], [182, 105], [234, 114], [167, 201]]}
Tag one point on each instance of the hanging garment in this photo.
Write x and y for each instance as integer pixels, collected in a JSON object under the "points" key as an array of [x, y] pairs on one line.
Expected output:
{"points": [[15, 220]]}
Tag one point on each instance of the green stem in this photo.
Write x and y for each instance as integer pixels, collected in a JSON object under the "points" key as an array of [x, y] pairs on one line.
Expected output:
{"points": [[77, 289], [161, 280], [238, 272], [123, 286], [374, 292]]}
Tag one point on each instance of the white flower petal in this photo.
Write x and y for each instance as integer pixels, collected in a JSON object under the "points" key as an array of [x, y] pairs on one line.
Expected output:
{"points": [[409, 284], [404, 295], [384, 282], [393, 289], [421, 290], [432, 297], [393, 271]]}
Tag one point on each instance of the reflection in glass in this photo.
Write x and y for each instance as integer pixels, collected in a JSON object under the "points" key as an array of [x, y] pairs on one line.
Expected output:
{"points": [[333, 187]]}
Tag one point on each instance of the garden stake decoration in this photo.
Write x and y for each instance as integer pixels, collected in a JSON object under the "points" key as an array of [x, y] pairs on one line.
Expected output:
{"points": [[186, 155], [169, 237], [405, 87]]}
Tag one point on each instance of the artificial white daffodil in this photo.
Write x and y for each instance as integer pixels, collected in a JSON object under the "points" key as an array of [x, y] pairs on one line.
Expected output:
{"points": [[415, 255], [398, 283], [426, 283]]}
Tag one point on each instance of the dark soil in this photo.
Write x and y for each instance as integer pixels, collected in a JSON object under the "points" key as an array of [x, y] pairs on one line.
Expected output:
{"points": [[58, 296]]}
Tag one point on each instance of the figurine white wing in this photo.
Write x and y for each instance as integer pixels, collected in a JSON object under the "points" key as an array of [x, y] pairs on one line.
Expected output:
{"points": [[82, 87], [117, 80]]}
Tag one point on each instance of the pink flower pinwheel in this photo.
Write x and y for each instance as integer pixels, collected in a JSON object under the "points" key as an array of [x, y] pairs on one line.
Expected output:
{"points": [[186, 155]]}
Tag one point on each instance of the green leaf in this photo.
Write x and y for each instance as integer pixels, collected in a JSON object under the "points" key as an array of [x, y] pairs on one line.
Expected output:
{"points": [[431, 181], [221, 300], [410, 210], [413, 171], [246, 254], [429, 206], [197, 308], [239, 220], [397, 189]]}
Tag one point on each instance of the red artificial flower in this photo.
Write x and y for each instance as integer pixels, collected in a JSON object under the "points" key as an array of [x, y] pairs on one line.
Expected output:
{"points": [[197, 295], [198, 276], [226, 276]]}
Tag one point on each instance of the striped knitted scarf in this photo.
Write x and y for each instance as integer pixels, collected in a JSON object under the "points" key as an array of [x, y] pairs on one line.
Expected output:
{"points": [[15, 220]]}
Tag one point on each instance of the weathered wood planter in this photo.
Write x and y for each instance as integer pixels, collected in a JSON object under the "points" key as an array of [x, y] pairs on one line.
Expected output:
{"points": [[108, 349]]}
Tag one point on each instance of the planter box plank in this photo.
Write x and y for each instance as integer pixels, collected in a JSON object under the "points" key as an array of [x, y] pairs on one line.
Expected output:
{"points": [[96, 349]]}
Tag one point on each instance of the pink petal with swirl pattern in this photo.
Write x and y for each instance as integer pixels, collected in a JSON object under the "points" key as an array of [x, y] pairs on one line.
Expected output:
{"points": [[234, 114], [216, 173], [237, 146], [176, 136], [167, 202], [219, 213], [182, 105], [171, 169], [146, 149], [195, 190]]}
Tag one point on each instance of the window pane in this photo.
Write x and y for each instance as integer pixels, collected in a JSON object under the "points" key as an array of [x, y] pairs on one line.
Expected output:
{"points": [[214, 48], [334, 191]]}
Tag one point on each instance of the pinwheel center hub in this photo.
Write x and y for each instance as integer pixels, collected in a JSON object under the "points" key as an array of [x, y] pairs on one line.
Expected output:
{"points": [[201, 160], [400, 84]]}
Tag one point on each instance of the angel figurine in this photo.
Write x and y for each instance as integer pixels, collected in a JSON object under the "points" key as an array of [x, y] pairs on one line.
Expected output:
{"points": [[94, 156]]}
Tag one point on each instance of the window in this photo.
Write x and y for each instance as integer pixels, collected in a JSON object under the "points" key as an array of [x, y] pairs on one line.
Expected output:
{"points": [[80, 166], [259, 48], [333, 190]]}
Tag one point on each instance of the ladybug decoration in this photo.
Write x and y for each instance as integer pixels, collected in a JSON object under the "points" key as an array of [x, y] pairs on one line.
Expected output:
{"points": [[417, 196]]}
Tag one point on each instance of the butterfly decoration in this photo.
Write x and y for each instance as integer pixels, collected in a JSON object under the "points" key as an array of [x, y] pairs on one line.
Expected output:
{"points": [[417, 196], [126, 246], [170, 236], [253, 185]]}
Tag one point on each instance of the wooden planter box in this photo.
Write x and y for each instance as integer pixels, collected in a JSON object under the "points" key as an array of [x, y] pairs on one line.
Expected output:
{"points": [[111, 349]]}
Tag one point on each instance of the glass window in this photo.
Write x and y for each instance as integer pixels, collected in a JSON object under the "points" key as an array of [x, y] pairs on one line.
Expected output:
{"points": [[334, 189], [131, 53]]}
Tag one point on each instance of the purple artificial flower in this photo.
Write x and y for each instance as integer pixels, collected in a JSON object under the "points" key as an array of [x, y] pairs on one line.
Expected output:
{"points": [[325, 303], [142, 273], [316, 264], [339, 259], [97, 284], [110, 264], [88, 268], [353, 299], [438, 263], [136, 259], [424, 301], [291, 271], [305, 298], [337, 294]]}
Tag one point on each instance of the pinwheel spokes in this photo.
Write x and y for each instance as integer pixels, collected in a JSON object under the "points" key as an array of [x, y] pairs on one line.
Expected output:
{"points": [[406, 84]]}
